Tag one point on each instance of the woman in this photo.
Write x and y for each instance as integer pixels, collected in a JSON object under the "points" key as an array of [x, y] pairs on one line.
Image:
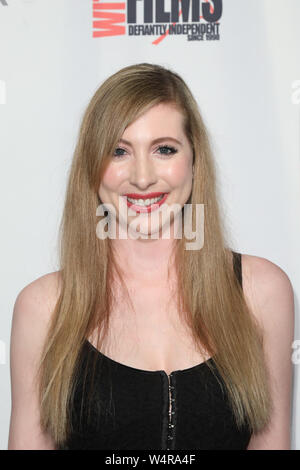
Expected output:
{"points": [[141, 343]]}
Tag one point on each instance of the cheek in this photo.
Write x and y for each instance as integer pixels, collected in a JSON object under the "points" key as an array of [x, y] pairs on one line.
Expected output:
{"points": [[179, 174], [111, 178]]}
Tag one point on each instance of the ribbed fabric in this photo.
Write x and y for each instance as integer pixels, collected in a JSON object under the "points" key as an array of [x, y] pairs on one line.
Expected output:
{"points": [[130, 407]]}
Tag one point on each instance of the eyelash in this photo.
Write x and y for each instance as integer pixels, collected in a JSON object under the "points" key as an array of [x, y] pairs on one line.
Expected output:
{"points": [[173, 150]]}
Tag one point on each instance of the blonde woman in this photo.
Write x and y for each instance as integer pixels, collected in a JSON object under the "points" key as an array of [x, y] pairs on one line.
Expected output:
{"points": [[141, 343]]}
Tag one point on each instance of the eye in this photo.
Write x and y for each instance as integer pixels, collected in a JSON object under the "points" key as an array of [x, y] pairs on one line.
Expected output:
{"points": [[164, 150], [118, 154], [167, 150]]}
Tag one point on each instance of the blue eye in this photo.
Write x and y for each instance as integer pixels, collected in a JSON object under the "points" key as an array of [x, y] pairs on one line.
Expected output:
{"points": [[171, 150], [168, 150], [118, 154]]}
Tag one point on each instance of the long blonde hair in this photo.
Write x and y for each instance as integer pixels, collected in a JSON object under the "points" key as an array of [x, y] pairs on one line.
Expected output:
{"points": [[209, 295]]}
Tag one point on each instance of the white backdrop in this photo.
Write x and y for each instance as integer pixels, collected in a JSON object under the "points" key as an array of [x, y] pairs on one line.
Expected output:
{"points": [[247, 84]]}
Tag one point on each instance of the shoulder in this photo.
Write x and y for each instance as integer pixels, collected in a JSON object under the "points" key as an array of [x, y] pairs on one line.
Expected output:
{"points": [[40, 293], [269, 294], [31, 315], [32, 310], [267, 287]]}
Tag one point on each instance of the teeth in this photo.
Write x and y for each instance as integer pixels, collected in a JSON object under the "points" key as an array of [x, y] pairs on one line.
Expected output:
{"points": [[145, 202]]}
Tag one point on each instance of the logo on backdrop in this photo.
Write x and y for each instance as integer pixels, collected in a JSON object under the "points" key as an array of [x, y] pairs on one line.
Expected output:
{"points": [[197, 20]]}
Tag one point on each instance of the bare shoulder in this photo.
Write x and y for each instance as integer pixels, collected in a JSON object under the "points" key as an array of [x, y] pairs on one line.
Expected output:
{"points": [[270, 296], [267, 287], [49, 284], [37, 299], [31, 315]]}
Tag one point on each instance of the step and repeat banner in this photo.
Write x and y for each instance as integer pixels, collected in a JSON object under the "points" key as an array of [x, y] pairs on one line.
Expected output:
{"points": [[240, 59]]}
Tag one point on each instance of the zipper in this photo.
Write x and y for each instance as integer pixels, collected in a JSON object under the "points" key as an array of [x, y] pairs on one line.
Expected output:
{"points": [[168, 410], [171, 413]]}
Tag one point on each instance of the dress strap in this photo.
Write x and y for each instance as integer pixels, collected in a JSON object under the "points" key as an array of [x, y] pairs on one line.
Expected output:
{"points": [[237, 266]]}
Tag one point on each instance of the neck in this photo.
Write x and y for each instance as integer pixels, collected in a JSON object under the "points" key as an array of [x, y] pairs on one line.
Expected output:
{"points": [[144, 260]]}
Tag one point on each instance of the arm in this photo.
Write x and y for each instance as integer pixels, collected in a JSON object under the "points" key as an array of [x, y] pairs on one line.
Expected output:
{"points": [[271, 299], [29, 326]]}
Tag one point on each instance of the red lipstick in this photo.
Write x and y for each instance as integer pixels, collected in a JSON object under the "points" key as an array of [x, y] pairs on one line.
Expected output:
{"points": [[151, 207], [143, 196]]}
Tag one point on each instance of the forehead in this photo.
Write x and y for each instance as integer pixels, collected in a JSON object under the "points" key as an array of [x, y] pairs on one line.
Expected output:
{"points": [[161, 119]]}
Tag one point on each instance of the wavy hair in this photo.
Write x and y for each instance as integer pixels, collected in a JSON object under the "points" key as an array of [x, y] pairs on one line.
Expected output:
{"points": [[209, 295]]}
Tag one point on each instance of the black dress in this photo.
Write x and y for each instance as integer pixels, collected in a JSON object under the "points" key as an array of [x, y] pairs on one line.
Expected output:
{"points": [[130, 407]]}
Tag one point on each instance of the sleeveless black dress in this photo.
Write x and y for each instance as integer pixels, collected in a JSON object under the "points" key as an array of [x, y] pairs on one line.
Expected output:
{"points": [[136, 409]]}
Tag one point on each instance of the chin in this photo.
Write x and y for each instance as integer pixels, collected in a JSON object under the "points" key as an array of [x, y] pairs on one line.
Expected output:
{"points": [[145, 233]]}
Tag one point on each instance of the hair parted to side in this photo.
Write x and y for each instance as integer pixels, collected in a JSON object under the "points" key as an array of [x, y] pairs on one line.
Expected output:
{"points": [[209, 295]]}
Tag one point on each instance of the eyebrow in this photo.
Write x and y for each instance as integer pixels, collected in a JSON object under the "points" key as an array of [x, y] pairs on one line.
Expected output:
{"points": [[155, 141]]}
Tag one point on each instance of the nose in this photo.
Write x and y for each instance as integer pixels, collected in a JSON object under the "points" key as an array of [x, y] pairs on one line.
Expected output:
{"points": [[142, 172]]}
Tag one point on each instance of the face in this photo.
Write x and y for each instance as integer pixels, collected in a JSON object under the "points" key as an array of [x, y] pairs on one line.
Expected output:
{"points": [[153, 156]]}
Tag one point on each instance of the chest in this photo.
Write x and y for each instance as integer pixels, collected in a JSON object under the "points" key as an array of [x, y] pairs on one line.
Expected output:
{"points": [[153, 336], [134, 409]]}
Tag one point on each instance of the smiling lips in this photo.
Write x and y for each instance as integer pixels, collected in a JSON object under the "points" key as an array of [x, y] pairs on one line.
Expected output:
{"points": [[145, 202]]}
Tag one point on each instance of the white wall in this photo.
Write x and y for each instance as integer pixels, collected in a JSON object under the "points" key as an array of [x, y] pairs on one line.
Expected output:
{"points": [[50, 65]]}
